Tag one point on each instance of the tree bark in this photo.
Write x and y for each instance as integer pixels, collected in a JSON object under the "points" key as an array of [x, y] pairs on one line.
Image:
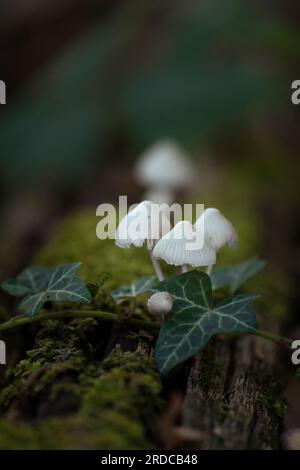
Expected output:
{"points": [[233, 396]]}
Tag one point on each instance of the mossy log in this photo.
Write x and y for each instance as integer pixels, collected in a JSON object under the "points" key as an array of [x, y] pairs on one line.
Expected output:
{"points": [[69, 394], [89, 384]]}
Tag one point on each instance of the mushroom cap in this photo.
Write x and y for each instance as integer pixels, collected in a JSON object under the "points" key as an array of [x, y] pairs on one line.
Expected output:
{"points": [[145, 223], [164, 164], [217, 229], [181, 246], [160, 303]]}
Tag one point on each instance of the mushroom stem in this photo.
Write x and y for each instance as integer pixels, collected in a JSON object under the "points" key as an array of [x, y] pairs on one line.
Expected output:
{"points": [[184, 268], [209, 269], [156, 266]]}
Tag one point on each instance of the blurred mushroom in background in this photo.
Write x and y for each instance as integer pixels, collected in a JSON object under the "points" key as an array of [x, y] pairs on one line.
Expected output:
{"points": [[164, 169]]}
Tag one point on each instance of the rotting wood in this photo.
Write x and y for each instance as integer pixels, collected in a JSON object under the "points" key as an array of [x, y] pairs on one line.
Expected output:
{"points": [[233, 395]]}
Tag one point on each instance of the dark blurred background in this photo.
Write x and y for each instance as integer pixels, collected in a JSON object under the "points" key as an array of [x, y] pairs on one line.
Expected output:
{"points": [[91, 84]]}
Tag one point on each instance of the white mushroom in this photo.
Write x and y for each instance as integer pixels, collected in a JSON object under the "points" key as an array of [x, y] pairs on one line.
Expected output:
{"points": [[146, 223], [164, 167], [183, 247], [217, 230], [160, 303]]}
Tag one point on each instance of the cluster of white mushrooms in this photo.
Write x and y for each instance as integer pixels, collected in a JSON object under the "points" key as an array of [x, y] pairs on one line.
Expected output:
{"points": [[164, 169], [148, 224]]}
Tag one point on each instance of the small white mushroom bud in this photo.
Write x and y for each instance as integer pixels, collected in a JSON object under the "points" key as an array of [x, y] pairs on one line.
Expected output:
{"points": [[160, 303]]}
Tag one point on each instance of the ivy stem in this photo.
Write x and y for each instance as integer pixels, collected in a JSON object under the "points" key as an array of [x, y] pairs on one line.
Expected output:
{"points": [[105, 316], [282, 340], [156, 266], [113, 317]]}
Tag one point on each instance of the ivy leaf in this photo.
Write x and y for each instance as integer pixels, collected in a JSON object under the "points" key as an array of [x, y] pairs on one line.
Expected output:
{"points": [[59, 273], [193, 320], [36, 278], [40, 285], [30, 280], [235, 276], [141, 286], [70, 288], [33, 303]]}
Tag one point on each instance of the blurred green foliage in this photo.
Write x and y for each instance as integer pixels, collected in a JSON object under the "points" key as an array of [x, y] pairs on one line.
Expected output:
{"points": [[153, 69]]}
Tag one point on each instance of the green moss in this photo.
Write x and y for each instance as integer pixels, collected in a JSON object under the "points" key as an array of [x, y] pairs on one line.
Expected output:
{"points": [[130, 385], [211, 371], [110, 404], [270, 395], [271, 398], [61, 350], [107, 430], [225, 412], [129, 361], [7, 394], [17, 436], [98, 256], [275, 289]]}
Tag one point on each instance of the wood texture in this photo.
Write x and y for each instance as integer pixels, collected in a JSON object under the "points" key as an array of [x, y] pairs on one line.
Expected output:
{"points": [[232, 396]]}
